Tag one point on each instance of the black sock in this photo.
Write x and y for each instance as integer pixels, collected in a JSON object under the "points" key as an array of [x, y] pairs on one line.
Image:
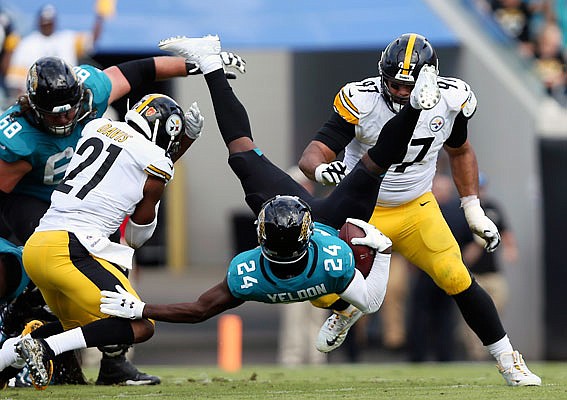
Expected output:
{"points": [[480, 314], [394, 138], [230, 113], [108, 331]]}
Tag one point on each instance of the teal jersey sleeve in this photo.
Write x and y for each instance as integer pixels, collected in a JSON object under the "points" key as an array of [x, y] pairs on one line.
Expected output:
{"points": [[330, 269], [100, 86], [10, 248], [48, 154]]}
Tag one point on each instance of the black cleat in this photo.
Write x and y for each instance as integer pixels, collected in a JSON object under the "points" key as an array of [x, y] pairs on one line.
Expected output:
{"points": [[7, 374], [119, 371]]}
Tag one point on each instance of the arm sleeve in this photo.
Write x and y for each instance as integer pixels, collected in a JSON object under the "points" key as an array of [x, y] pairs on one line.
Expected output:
{"points": [[459, 133], [138, 72], [368, 294], [336, 133], [136, 235]]}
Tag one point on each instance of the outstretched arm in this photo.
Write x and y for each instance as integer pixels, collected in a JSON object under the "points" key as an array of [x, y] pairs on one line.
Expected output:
{"points": [[131, 74], [213, 302]]}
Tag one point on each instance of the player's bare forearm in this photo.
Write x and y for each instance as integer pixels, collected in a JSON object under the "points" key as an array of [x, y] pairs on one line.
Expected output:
{"points": [[464, 168], [12, 173], [169, 67], [213, 302], [315, 154]]}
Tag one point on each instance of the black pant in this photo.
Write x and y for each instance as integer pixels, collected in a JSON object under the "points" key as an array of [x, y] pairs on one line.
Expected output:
{"points": [[354, 197]]}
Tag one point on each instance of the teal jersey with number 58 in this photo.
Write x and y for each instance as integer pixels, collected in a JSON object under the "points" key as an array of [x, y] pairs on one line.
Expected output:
{"points": [[48, 154], [330, 269]]}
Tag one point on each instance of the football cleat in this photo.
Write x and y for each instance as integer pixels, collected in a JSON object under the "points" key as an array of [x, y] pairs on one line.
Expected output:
{"points": [[194, 50], [426, 94], [515, 371], [6, 375], [335, 329], [39, 359], [120, 371]]}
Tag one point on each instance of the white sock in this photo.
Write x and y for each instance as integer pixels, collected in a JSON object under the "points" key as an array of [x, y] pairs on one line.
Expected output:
{"points": [[8, 354], [210, 63], [500, 347], [72, 339]]}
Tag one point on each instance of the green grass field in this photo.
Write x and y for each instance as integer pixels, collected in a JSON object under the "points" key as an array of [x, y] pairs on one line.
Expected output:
{"points": [[462, 381]]}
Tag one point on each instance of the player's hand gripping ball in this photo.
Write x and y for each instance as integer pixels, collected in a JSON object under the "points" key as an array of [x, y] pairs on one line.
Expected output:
{"points": [[363, 255]]}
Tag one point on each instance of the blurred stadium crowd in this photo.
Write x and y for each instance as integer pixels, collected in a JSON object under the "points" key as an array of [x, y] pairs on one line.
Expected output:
{"points": [[538, 29]]}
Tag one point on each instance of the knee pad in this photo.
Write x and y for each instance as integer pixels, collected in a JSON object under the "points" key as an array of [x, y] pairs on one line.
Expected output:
{"points": [[452, 277]]}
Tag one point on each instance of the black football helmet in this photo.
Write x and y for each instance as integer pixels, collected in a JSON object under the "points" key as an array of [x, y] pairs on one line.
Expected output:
{"points": [[160, 119], [56, 96], [400, 64], [284, 227]]}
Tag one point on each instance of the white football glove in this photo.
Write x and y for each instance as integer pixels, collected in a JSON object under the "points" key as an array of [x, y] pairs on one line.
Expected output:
{"points": [[330, 174], [121, 304], [233, 60], [374, 238], [479, 223], [194, 122]]}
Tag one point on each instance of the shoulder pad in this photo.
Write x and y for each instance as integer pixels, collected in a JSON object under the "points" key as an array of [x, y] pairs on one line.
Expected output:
{"points": [[469, 106], [356, 98], [456, 94]]}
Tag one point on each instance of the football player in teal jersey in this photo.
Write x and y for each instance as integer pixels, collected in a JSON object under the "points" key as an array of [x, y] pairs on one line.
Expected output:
{"points": [[13, 282], [297, 259], [38, 136], [13, 277]]}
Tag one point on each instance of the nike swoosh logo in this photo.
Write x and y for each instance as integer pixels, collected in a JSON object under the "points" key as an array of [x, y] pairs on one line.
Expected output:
{"points": [[424, 203]]}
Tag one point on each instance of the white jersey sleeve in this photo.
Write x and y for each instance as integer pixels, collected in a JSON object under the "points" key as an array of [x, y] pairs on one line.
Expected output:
{"points": [[458, 95]]}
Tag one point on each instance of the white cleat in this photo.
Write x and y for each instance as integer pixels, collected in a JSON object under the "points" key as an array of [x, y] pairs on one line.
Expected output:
{"points": [[335, 329], [425, 94], [515, 371], [192, 49]]}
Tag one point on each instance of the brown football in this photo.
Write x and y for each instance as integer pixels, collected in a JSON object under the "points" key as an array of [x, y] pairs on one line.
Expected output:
{"points": [[363, 255]]}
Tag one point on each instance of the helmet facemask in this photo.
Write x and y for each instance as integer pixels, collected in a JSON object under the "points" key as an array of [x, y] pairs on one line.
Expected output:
{"points": [[284, 228]]}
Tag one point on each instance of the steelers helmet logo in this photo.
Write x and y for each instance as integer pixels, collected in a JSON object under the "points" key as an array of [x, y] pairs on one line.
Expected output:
{"points": [[173, 125], [436, 123]]}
